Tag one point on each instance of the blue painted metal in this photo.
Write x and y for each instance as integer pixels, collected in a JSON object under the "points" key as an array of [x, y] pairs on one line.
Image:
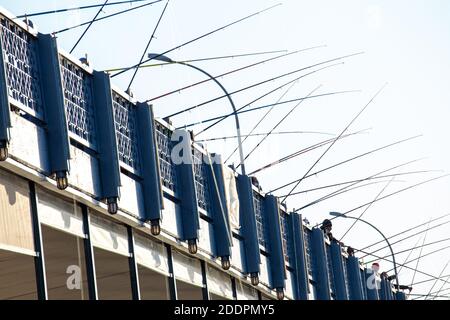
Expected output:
{"points": [[125, 122], [189, 209], [338, 271], [57, 131], [248, 223], [222, 233], [363, 283], [286, 236], [372, 289], [300, 263], [275, 242], [21, 66], [106, 142], [400, 295], [5, 120], [319, 259], [151, 180], [354, 279]]}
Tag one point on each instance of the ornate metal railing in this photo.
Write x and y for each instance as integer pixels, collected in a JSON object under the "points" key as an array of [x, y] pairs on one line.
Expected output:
{"points": [[201, 178], [21, 60], [286, 237], [166, 166], [260, 221], [78, 101], [307, 236], [126, 131]]}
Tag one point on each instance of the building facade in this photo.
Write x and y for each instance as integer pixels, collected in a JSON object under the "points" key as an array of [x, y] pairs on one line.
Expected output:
{"points": [[100, 200]]}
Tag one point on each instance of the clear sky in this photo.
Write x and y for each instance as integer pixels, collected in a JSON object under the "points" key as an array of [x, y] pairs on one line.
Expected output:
{"points": [[405, 43]]}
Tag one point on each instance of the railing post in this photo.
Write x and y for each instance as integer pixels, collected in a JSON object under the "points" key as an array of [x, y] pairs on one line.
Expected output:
{"points": [[320, 261], [301, 271], [338, 271], [248, 230]]}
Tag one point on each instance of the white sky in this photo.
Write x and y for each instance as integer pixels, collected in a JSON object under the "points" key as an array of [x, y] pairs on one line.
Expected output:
{"points": [[405, 43]]}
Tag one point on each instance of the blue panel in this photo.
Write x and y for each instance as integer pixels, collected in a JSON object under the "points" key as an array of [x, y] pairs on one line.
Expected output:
{"points": [[372, 290], [320, 265], [354, 279], [5, 121], [189, 209], [276, 254], [222, 234], [57, 134], [106, 144], [400, 295], [307, 236], [126, 131], [338, 271], [363, 284], [167, 169], [149, 170], [330, 270], [21, 66], [78, 101], [248, 222], [299, 258], [202, 181]]}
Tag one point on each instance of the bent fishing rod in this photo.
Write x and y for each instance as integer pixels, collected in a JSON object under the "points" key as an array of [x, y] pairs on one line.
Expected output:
{"points": [[259, 83], [277, 124], [413, 235], [407, 230], [105, 17], [226, 73], [231, 56], [346, 161], [332, 144], [302, 151], [148, 45], [196, 39], [264, 133], [42, 13]]}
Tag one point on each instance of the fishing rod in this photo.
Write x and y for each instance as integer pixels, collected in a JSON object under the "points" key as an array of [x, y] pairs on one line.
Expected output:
{"points": [[440, 289], [405, 266], [148, 44], [264, 133], [302, 151], [239, 110], [222, 117], [411, 250], [260, 83], [345, 161], [387, 196], [418, 296], [41, 13], [362, 180], [428, 280], [277, 124], [228, 72], [199, 60], [367, 208], [260, 120], [89, 25], [407, 230], [443, 269], [415, 247], [195, 39], [105, 17], [420, 253], [332, 144], [411, 236], [336, 192]]}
